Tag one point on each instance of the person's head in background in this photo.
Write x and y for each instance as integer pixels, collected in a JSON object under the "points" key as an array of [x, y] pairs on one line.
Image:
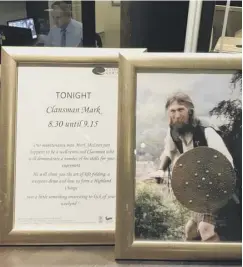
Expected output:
{"points": [[61, 13]]}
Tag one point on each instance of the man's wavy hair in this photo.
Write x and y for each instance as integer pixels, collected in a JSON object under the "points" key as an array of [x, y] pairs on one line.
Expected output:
{"points": [[64, 6], [185, 100]]}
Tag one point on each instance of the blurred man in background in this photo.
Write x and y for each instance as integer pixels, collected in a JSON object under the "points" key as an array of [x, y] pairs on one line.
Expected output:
{"points": [[67, 32]]}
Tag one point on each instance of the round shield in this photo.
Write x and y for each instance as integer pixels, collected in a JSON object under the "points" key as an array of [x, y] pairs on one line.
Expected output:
{"points": [[203, 180]]}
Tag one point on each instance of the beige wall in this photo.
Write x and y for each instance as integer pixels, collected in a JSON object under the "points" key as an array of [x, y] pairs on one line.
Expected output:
{"points": [[77, 10], [108, 21]]}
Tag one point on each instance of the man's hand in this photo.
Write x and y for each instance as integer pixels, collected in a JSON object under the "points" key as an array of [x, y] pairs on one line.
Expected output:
{"points": [[157, 174]]}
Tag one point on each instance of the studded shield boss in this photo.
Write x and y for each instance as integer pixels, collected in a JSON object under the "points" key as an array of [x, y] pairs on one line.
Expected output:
{"points": [[203, 180]]}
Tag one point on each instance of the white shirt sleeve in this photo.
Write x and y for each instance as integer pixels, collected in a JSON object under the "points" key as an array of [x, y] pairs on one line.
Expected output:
{"points": [[48, 39], [167, 149], [215, 141]]}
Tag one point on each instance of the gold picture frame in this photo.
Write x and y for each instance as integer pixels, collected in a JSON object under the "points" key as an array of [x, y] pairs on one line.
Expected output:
{"points": [[12, 58], [126, 246]]}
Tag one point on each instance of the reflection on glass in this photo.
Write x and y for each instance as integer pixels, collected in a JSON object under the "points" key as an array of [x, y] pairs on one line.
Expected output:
{"points": [[41, 23], [233, 34], [66, 31], [183, 201], [57, 23]]}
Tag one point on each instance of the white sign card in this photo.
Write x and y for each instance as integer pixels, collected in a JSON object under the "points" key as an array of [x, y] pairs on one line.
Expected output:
{"points": [[66, 148]]}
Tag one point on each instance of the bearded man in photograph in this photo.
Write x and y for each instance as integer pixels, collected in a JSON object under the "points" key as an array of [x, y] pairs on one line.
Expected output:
{"points": [[185, 133]]}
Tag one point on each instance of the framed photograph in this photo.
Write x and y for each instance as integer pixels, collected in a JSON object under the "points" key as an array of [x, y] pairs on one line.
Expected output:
{"points": [[59, 145], [179, 157]]}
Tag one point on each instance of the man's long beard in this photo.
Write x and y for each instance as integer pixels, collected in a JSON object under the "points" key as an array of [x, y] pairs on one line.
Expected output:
{"points": [[180, 129]]}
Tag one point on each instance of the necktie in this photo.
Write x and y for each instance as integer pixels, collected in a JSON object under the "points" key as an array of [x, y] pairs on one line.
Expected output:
{"points": [[63, 37]]}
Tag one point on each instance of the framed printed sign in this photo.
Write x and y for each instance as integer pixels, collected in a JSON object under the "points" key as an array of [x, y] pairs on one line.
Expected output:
{"points": [[58, 141], [180, 158]]}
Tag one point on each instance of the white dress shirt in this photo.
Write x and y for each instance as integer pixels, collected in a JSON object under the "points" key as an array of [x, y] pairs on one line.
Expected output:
{"points": [[74, 35], [214, 141]]}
